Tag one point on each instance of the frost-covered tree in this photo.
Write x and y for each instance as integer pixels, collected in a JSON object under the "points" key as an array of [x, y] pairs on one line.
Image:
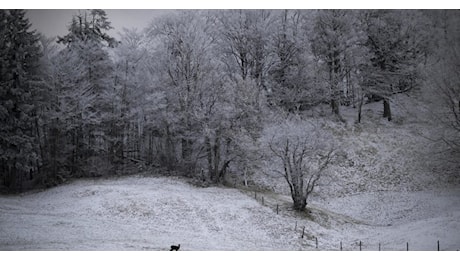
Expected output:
{"points": [[292, 73], [444, 76], [397, 43], [89, 26], [49, 130], [181, 66], [209, 107], [19, 81], [139, 102], [86, 89], [302, 159], [244, 37], [331, 43], [246, 55]]}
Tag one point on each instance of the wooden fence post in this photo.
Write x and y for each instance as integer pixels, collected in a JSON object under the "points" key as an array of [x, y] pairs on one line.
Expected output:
{"points": [[407, 246], [303, 231], [379, 246], [316, 240], [359, 245], [438, 245], [263, 201], [277, 210], [340, 245], [295, 228]]}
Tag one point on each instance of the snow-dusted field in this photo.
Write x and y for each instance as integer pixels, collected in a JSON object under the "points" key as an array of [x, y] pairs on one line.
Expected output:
{"points": [[393, 219], [146, 213], [139, 214]]}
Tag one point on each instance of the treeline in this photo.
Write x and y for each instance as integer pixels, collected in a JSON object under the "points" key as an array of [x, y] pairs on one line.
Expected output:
{"points": [[191, 92]]}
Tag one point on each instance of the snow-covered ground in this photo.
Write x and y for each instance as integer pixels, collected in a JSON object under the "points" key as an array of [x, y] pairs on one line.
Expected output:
{"points": [[152, 213], [419, 218], [137, 213]]}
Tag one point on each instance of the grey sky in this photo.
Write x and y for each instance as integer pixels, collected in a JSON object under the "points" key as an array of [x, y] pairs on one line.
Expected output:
{"points": [[54, 22]]}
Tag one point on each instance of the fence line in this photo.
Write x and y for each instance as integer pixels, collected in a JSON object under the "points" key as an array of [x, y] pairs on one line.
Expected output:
{"points": [[276, 208], [360, 245]]}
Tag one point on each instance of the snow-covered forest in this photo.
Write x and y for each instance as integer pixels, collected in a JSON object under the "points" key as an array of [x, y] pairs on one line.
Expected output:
{"points": [[321, 106]]}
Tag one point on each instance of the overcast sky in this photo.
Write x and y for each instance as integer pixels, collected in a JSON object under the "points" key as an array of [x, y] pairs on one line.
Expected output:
{"points": [[54, 22]]}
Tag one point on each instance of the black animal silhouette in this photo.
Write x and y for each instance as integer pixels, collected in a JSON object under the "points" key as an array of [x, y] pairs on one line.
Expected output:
{"points": [[175, 248]]}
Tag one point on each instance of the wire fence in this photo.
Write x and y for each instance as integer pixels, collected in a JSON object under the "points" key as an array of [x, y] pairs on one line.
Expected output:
{"points": [[361, 246], [356, 245]]}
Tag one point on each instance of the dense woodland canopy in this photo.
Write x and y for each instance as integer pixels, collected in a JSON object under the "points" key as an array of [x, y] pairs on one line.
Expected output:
{"points": [[192, 92]]}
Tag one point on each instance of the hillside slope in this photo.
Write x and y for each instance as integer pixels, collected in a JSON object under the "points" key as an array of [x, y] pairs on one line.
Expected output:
{"points": [[139, 214], [147, 213], [376, 154]]}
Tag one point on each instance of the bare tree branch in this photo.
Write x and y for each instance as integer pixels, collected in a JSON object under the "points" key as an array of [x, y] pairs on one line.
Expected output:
{"points": [[294, 155]]}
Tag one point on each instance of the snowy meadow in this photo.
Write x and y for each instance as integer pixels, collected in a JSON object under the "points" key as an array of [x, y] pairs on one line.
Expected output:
{"points": [[231, 130], [151, 213]]}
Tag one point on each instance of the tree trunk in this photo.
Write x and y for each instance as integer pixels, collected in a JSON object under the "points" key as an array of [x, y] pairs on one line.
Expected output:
{"points": [[386, 109], [76, 151], [213, 151], [335, 107], [245, 177], [300, 201], [55, 140], [169, 154], [40, 143], [150, 148], [207, 143], [335, 95], [216, 161], [352, 88], [360, 108], [223, 172], [186, 147]]}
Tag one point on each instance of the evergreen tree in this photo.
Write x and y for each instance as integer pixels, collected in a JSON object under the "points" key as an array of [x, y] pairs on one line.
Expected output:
{"points": [[86, 90], [19, 57], [331, 41]]}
